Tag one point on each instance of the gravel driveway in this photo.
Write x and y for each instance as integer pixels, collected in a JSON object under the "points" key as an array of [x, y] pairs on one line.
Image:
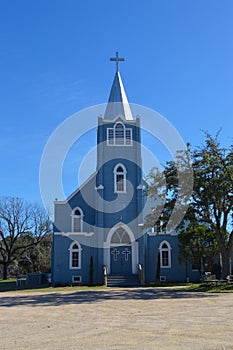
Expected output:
{"points": [[137, 318]]}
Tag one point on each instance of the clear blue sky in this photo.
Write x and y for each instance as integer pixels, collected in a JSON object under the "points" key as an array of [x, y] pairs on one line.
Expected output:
{"points": [[54, 61]]}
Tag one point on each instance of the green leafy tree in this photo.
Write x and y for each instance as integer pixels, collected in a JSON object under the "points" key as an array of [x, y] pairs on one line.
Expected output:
{"points": [[198, 245], [209, 203], [212, 200], [22, 227]]}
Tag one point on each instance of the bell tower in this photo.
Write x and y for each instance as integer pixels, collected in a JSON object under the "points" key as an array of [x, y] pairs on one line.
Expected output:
{"points": [[119, 173]]}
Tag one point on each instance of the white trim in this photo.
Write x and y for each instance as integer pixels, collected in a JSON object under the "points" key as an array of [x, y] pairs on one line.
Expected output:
{"points": [[100, 187], [141, 187], [68, 234], [120, 244], [168, 249], [119, 116], [114, 228], [71, 250], [151, 233]]}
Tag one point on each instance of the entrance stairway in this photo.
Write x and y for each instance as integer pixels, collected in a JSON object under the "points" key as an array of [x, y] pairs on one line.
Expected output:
{"points": [[123, 281]]}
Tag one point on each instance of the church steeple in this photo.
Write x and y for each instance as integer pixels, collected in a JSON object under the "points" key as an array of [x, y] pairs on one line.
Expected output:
{"points": [[117, 102]]}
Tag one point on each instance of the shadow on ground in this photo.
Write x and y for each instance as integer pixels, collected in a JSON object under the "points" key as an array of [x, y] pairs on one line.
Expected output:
{"points": [[92, 296]]}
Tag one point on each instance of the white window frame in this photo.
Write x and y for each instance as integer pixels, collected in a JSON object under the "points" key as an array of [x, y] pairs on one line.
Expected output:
{"points": [[71, 251], [168, 250], [126, 141], [124, 172], [78, 277], [110, 140], [119, 141], [73, 217]]}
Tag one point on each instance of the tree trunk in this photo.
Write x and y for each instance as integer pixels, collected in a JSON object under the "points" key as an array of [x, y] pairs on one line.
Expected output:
{"points": [[225, 263], [5, 271], [158, 268]]}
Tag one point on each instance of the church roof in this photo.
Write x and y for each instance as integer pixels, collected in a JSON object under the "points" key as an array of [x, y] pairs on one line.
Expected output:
{"points": [[117, 102]]}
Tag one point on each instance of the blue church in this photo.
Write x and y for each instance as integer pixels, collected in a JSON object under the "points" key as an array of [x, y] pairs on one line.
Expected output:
{"points": [[99, 231]]}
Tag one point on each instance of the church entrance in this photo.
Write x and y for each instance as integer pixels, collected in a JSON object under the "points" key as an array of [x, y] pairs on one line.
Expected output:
{"points": [[121, 261], [121, 252]]}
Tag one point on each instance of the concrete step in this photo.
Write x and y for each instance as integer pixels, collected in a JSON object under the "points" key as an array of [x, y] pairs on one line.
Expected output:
{"points": [[122, 281]]}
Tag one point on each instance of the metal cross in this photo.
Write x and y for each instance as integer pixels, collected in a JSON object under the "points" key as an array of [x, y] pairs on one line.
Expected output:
{"points": [[115, 252], [117, 59], [126, 253]]}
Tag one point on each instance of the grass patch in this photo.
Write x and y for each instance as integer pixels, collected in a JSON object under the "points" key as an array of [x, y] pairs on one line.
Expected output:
{"points": [[170, 284], [208, 287], [211, 287], [7, 281], [66, 289], [10, 285]]}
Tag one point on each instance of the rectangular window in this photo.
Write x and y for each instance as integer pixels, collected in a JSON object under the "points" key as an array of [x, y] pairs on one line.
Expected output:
{"points": [[162, 278], [128, 137], [75, 259], [77, 224], [165, 259], [76, 279], [119, 140], [120, 183], [119, 136], [110, 136]]}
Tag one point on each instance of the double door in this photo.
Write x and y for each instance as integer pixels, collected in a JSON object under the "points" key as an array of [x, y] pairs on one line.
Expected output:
{"points": [[121, 260]]}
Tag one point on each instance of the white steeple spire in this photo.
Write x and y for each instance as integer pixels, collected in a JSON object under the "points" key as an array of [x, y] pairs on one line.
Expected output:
{"points": [[117, 102]]}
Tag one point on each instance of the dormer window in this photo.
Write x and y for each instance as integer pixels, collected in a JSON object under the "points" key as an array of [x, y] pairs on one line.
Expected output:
{"points": [[119, 135]]}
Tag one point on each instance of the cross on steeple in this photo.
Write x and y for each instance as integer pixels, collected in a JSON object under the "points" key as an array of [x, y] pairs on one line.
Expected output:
{"points": [[117, 59]]}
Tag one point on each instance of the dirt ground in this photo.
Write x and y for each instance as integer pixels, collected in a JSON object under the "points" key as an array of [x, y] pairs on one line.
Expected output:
{"points": [[140, 318]]}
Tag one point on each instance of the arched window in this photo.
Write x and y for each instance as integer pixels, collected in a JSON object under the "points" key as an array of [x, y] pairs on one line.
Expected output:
{"points": [[75, 255], [77, 220], [165, 254], [119, 179], [119, 135], [120, 236]]}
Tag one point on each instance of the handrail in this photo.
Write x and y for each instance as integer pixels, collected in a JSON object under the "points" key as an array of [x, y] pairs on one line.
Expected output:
{"points": [[140, 274], [105, 273]]}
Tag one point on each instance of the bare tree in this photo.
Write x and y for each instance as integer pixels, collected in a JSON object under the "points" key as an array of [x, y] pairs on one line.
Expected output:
{"points": [[22, 227]]}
